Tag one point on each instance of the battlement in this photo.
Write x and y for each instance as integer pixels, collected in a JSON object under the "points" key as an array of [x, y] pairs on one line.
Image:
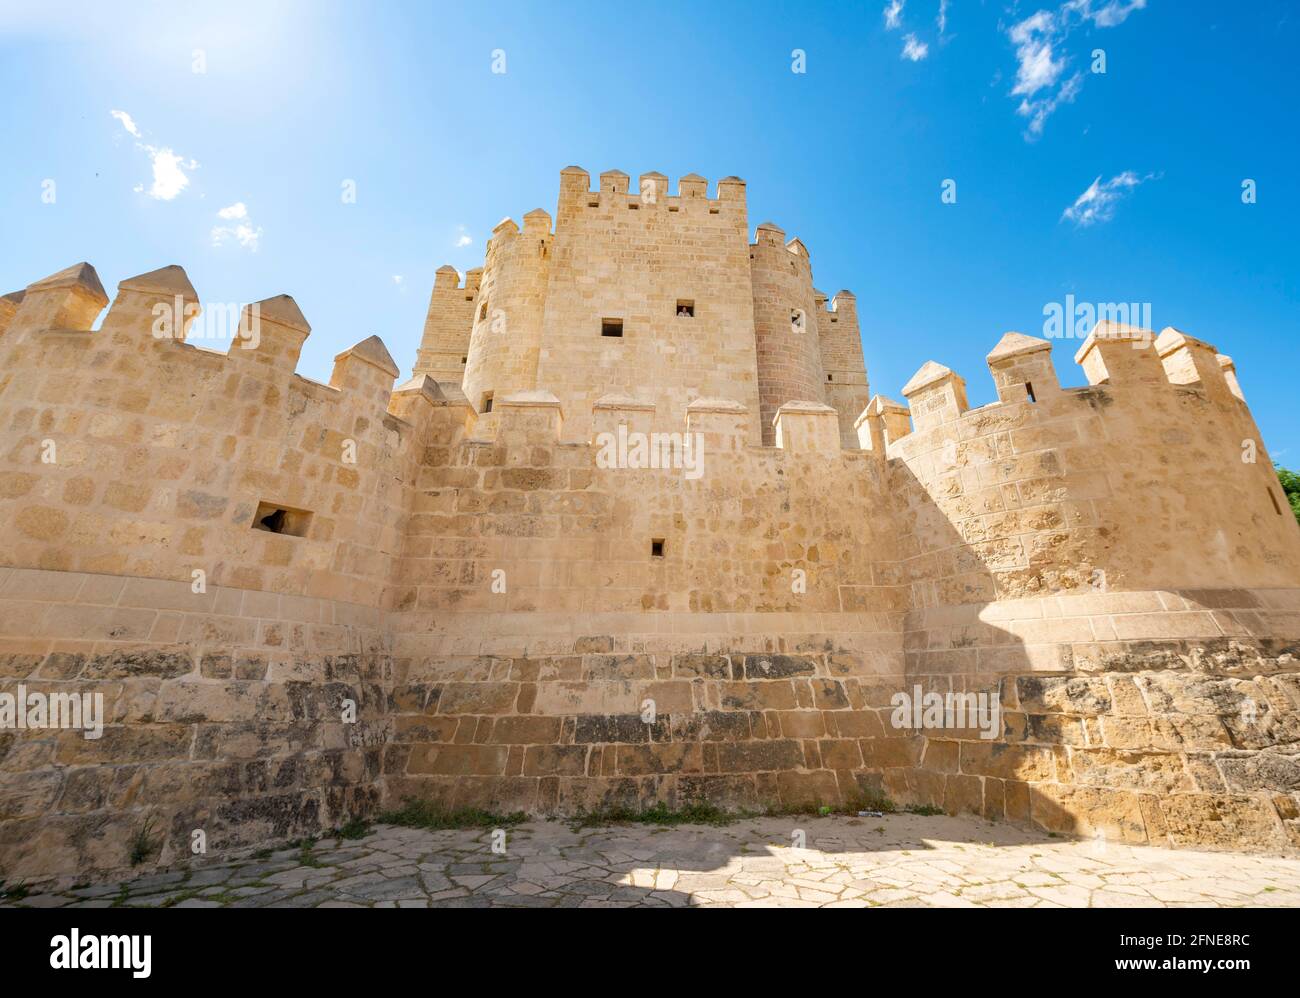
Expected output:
{"points": [[615, 190], [569, 509], [147, 428]]}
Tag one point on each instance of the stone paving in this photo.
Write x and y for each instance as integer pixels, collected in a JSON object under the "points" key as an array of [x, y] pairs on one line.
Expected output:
{"points": [[897, 860]]}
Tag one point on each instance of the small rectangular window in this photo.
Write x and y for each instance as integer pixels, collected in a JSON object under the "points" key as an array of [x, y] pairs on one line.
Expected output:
{"points": [[482, 311], [1029, 390], [278, 519], [611, 327], [487, 402], [685, 309], [657, 548]]}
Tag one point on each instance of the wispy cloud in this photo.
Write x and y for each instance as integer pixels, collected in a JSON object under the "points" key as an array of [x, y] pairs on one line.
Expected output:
{"points": [[238, 228], [914, 50], [894, 14], [942, 20], [1097, 203], [463, 238], [1041, 63], [127, 122], [169, 167]]}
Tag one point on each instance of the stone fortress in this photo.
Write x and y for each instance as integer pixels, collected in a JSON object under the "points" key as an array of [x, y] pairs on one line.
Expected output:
{"points": [[303, 602]]}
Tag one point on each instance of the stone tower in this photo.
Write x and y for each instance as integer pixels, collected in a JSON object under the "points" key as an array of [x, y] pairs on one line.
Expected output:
{"points": [[651, 297]]}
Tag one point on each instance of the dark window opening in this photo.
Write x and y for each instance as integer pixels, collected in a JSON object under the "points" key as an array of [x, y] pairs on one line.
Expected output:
{"points": [[633, 206], [469, 297], [463, 359], [593, 203], [1273, 499], [685, 309], [482, 312], [487, 402], [281, 519], [657, 548], [830, 377], [611, 327], [1029, 390]]}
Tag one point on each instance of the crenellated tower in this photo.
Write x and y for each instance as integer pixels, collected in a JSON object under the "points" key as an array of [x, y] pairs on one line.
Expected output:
{"points": [[651, 296]]}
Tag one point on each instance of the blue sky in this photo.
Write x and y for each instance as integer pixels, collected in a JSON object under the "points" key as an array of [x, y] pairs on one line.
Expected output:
{"points": [[236, 172]]}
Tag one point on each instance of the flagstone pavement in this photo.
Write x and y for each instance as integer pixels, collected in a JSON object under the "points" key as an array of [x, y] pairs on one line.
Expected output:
{"points": [[837, 862]]}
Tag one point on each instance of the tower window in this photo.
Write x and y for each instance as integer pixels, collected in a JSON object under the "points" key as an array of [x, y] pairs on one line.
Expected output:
{"points": [[797, 320], [685, 309], [482, 311], [487, 402], [657, 548], [611, 327], [1029, 390], [281, 519]]}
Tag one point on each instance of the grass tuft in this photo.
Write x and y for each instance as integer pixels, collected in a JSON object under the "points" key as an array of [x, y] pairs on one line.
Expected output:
{"points": [[427, 814]]}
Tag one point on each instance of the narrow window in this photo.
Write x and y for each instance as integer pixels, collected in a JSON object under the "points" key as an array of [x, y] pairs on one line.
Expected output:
{"points": [[463, 359], [657, 548], [1029, 390], [633, 206], [487, 402], [482, 311], [611, 327], [685, 309], [1273, 499], [277, 519], [830, 377]]}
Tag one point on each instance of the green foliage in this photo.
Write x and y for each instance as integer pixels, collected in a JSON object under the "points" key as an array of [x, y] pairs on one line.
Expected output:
{"points": [[659, 813], [356, 828], [426, 814], [1291, 486], [143, 845]]}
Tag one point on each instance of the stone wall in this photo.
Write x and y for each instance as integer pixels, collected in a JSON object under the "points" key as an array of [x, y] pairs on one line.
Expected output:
{"points": [[519, 624], [223, 714]]}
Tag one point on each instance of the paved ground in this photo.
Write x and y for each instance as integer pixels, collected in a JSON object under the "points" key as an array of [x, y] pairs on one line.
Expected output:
{"points": [[848, 862]]}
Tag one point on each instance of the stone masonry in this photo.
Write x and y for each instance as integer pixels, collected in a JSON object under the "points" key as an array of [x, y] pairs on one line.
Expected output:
{"points": [[302, 602]]}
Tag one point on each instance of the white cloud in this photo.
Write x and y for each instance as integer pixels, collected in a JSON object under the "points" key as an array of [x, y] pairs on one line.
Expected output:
{"points": [[1041, 62], [397, 278], [1097, 203], [942, 19], [169, 177], [914, 50], [463, 238], [242, 231], [126, 121], [1108, 15], [169, 167], [894, 14]]}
